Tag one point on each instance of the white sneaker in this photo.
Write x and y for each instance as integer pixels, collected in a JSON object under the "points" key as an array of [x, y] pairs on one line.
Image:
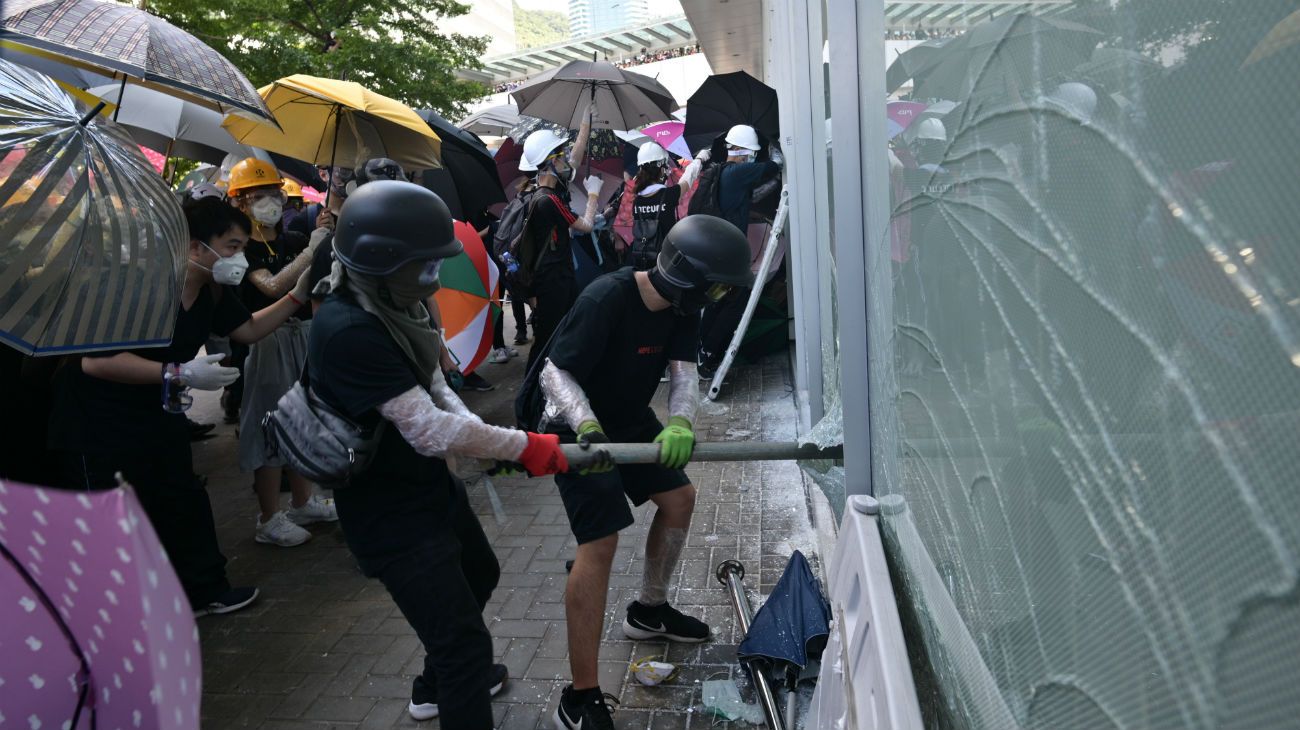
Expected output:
{"points": [[280, 531], [316, 509], [499, 356], [512, 351]]}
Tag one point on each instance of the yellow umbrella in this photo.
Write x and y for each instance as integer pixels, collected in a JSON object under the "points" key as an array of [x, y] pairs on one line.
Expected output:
{"points": [[1283, 35], [329, 122]]}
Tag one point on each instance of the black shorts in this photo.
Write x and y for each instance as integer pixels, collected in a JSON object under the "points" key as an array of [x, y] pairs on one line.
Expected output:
{"points": [[597, 503]]}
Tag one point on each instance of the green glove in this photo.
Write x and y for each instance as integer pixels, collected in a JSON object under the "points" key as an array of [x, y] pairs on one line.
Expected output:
{"points": [[592, 436], [677, 442]]}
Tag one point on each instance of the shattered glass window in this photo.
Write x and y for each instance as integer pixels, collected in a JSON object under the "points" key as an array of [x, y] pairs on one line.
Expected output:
{"points": [[1086, 423]]}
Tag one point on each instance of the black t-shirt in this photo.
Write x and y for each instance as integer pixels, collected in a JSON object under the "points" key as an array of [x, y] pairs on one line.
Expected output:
{"points": [[272, 256], [354, 365], [95, 416], [652, 217], [549, 226], [617, 349]]}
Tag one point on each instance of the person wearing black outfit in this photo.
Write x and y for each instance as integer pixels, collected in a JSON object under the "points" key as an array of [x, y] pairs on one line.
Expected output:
{"points": [[601, 371], [554, 286], [276, 260], [109, 416], [654, 202], [742, 175], [373, 356]]}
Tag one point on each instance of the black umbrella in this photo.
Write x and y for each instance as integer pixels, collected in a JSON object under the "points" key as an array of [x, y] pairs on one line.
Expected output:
{"points": [[912, 61], [725, 100], [468, 180], [1011, 53], [792, 627]]}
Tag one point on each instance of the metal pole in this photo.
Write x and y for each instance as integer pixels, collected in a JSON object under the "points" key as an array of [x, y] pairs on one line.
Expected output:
{"points": [[730, 573], [717, 451], [769, 253]]}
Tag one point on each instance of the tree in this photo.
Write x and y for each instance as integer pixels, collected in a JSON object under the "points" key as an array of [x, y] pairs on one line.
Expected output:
{"points": [[390, 46], [535, 28]]}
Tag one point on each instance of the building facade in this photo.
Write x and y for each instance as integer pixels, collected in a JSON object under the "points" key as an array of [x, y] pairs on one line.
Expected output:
{"points": [[597, 16]]}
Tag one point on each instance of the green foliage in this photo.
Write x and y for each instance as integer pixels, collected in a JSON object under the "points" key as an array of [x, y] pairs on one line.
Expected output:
{"points": [[535, 28], [390, 46]]}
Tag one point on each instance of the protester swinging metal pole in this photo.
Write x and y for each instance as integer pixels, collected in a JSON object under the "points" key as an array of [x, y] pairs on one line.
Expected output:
{"points": [[729, 574], [769, 253]]}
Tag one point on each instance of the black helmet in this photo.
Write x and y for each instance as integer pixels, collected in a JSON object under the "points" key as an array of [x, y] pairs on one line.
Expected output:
{"points": [[389, 223], [703, 249]]}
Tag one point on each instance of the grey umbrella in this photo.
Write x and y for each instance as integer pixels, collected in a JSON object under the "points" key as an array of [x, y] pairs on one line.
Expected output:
{"points": [[624, 100], [494, 120], [171, 125], [92, 243]]}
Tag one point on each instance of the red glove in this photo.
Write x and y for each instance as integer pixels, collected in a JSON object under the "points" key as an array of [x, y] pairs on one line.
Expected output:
{"points": [[542, 455]]}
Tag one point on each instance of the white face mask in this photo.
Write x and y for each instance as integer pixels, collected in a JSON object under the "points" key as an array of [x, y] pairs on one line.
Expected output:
{"points": [[267, 211], [742, 155], [228, 270]]}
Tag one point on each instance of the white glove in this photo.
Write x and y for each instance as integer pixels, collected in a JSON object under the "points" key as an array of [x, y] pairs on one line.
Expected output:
{"points": [[775, 155], [204, 373], [317, 236], [301, 290], [593, 184], [704, 155]]}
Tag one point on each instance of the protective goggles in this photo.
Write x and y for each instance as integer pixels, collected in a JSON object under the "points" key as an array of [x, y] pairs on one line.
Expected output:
{"points": [[716, 292], [254, 196], [429, 275]]}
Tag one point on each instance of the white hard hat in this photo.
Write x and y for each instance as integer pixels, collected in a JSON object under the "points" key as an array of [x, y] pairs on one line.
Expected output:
{"points": [[743, 135], [651, 152], [1074, 98], [538, 147], [931, 128]]}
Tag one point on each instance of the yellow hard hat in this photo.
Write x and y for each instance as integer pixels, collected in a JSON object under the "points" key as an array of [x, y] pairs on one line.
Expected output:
{"points": [[252, 173], [292, 189]]}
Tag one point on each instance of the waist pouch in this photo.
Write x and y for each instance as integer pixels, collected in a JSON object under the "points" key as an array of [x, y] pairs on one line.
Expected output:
{"points": [[316, 440]]}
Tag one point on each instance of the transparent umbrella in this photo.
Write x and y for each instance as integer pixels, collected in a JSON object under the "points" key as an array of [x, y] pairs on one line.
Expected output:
{"points": [[92, 243]]}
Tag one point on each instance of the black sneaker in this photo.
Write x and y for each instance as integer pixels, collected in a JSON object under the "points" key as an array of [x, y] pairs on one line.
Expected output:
{"points": [[424, 703], [478, 383], [706, 372], [663, 622], [228, 602], [200, 431], [521, 338], [585, 710]]}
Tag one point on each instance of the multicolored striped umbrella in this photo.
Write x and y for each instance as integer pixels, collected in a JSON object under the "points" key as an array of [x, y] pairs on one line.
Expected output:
{"points": [[92, 242], [123, 42], [468, 300]]}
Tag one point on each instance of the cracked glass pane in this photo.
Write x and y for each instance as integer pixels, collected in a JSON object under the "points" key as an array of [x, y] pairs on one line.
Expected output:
{"points": [[1085, 415]]}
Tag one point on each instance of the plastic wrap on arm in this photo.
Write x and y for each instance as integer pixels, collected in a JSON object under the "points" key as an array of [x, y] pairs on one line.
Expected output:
{"points": [[683, 389], [691, 174], [446, 399], [432, 431], [565, 396]]}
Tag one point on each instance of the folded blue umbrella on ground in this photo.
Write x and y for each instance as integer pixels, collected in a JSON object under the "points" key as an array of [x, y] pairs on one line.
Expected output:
{"points": [[794, 623]]}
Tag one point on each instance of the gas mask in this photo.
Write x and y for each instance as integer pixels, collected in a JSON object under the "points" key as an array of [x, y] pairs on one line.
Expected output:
{"points": [[687, 301], [741, 155], [559, 167], [267, 211], [410, 285], [228, 270]]}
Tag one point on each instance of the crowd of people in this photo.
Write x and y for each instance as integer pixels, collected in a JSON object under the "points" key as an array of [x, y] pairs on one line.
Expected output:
{"points": [[644, 57], [921, 34], [334, 302]]}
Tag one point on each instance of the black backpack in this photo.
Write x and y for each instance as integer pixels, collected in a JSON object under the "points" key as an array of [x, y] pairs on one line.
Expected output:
{"points": [[512, 243], [707, 199]]}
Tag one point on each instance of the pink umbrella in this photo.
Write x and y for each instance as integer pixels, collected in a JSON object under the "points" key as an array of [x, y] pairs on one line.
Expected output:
{"points": [[901, 115], [669, 136], [312, 195], [157, 159], [94, 626]]}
